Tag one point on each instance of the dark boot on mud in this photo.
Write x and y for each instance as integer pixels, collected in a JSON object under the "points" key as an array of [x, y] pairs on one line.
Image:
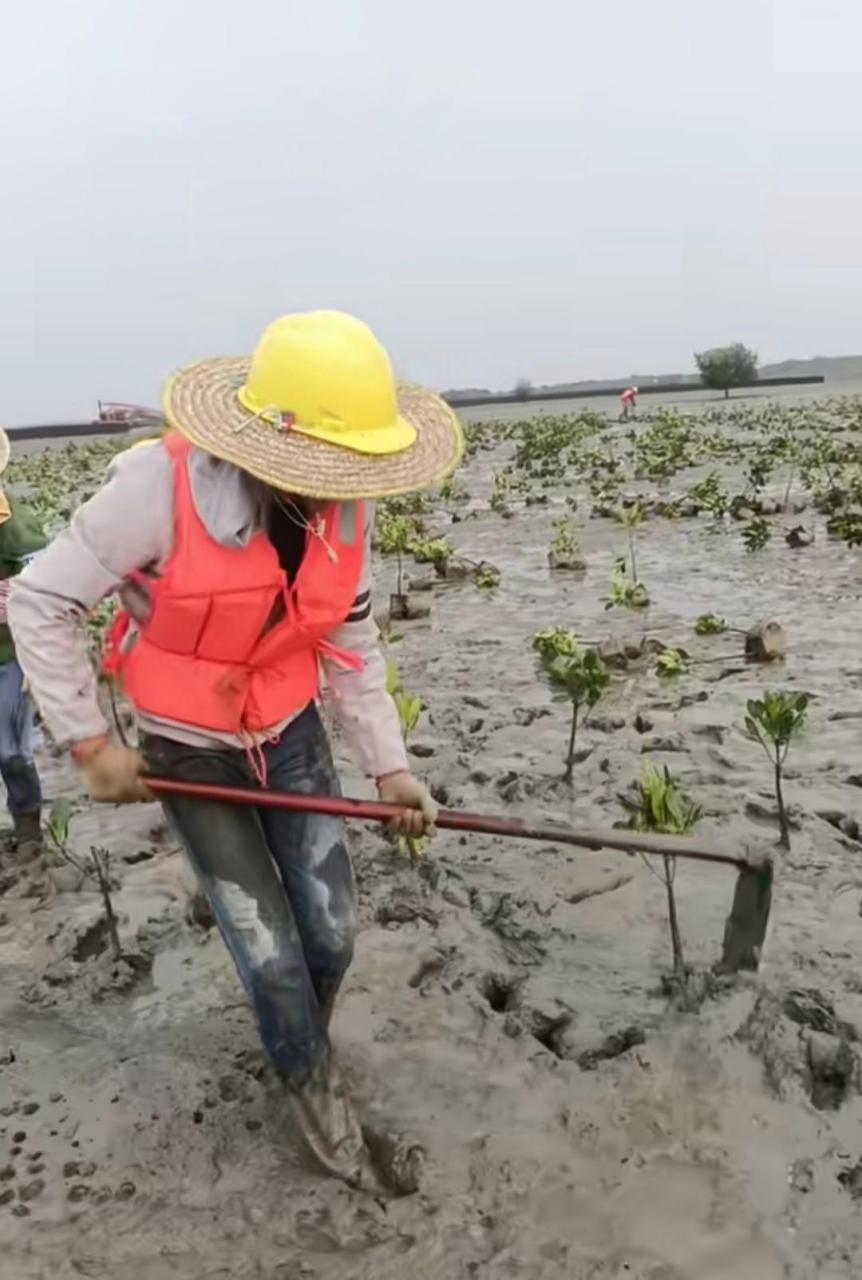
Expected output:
{"points": [[397, 1161], [371, 1158], [28, 835], [330, 1128]]}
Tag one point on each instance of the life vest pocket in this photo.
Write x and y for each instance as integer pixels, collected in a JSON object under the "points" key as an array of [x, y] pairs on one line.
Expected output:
{"points": [[234, 624], [176, 623]]}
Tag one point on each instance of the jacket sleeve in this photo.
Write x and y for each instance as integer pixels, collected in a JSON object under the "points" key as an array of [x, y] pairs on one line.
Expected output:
{"points": [[359, 699], [21, 537], [126, 525]]}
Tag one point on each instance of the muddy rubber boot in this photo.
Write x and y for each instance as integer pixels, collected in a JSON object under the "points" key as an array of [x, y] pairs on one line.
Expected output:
{"points": [[330, 1128], [28, 835]]}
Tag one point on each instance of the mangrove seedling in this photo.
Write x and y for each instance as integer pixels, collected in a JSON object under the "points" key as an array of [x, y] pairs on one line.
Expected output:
{"points": [[632, 517], [409, 706], [487, 576], [663, 809], [100, 866], [757, 475], [555, 642], [670, 663], [756, 534], [565, 548], [580, 676], [435, 551], [625, 593], [501, 492], [846, 525], [395, 536], [709, 624], [449, 491], [709, 493], [774, 721]]}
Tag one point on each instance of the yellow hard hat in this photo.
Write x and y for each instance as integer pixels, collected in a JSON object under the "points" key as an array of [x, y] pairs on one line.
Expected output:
{"points": [[316, 411], [327, 374]]}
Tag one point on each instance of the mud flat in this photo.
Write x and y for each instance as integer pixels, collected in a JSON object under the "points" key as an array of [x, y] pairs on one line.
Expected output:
{"points": [[506, 1006]]}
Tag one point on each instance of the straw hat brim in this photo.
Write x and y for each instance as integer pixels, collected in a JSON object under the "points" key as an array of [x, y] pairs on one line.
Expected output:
{"points": [[201, 403], [5, 450]]}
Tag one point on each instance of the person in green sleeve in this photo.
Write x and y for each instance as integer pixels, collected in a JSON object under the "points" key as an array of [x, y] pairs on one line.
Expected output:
{"points": [[21, 536]]}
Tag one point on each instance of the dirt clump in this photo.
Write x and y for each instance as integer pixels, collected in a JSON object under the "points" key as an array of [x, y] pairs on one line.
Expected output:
{"points": [[765, 641]]}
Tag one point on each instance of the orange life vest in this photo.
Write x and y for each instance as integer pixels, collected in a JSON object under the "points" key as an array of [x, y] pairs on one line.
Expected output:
{"points": [[209, 653]]}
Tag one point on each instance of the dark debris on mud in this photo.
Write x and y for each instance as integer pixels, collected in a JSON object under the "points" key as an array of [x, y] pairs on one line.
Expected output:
{"points": [[798, 1036]]}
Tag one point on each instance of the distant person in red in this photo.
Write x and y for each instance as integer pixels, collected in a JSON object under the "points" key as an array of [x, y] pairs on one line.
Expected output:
{"points": [[629, 402]]}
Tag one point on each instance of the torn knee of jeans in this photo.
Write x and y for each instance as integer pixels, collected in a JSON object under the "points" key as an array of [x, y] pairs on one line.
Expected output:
{"points": [[327, 840], [330, 920], [243, 915], [329, 942]]}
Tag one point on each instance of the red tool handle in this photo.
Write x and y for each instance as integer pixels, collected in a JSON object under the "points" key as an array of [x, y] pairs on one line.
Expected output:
{"points": [[453, 820]]}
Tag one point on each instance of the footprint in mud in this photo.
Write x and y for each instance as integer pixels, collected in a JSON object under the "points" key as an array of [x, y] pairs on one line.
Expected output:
{"points": [[80, 1172], [798, 1034], [500, 990], [503, 992], [850, 1178], [30, 1171]]}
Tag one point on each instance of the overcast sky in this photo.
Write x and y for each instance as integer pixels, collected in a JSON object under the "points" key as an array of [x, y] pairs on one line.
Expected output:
{"points": [[553, 190]]}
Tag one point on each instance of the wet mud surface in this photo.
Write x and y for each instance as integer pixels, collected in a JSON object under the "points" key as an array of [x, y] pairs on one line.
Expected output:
{"points": [[506, 1007]]}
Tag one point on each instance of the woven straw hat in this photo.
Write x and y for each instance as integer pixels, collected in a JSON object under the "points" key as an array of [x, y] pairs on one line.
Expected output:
{"points": [[5, 450], [316, 411]]}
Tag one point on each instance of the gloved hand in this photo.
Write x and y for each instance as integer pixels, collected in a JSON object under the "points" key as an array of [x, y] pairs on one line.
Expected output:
{"points": [[420, 809], [112, 771]]}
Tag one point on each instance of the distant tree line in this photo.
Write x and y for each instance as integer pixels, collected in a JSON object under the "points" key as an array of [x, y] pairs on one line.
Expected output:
{"points": [[720, 368]]}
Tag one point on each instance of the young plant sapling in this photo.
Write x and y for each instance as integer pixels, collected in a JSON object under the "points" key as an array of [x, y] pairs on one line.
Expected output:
{"points": [[100, 866], [555, 642], [710, 495], [709, 624], [624, 592], [409, 706], [663, 809], [500, 493], [577, 675], [756, 534], [487, 576], [846, 525], [434, 551], [632, 517], [670, 663], [395, 536], [565, 547], [774, 721]]}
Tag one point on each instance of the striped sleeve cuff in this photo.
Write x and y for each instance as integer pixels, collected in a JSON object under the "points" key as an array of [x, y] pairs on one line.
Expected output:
{"points": [[361, 608]]}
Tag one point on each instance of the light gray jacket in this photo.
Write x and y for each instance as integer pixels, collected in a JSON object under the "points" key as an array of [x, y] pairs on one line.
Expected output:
{"points": [[128, 525]]}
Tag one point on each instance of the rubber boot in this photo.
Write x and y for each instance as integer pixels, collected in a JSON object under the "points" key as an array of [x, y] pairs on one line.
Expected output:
{"points": [[28, 834], [330, 1128]]}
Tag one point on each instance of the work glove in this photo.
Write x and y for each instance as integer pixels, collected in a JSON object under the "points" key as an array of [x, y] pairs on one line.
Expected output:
{"points": [[420, 809], [113, 772]]}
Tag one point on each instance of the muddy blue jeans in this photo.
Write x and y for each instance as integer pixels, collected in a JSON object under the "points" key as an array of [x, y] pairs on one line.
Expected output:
{"points": [[280, 884], [23, 793]]}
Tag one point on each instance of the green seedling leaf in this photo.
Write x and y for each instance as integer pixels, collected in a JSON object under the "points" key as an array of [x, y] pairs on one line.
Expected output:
{"points": [[59, 818], [709, 624], [671, 663]]}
